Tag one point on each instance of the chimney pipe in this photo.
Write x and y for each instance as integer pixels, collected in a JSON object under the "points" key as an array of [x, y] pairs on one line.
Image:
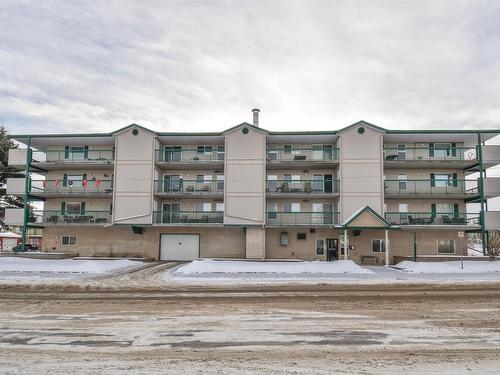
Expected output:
{"points": [[255, 112]]}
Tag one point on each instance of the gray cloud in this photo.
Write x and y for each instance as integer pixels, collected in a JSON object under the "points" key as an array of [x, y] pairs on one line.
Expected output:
{"points": [[97, 66]]}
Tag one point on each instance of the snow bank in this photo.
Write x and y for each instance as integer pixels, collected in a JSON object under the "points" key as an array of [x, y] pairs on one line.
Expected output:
{"points": [[13, 264], [470, 266], [207, 266]]}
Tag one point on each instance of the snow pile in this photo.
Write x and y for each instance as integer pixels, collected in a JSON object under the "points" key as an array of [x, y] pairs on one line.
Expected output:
{"points": [[470, 266], [13, 264], [207, 266]]}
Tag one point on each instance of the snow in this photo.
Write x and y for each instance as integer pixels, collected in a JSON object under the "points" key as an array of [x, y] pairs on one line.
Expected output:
{"points": [[207, 266], [470, 266], [9, 235], [93, 267]]}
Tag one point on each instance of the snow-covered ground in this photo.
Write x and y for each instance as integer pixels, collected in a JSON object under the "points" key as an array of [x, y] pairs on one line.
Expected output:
{"points": [[469, 266], [207, 266], [22, 268]]}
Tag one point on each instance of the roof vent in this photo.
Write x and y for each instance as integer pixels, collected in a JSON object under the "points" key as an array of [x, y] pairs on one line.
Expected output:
{"points": [[255, 112]]}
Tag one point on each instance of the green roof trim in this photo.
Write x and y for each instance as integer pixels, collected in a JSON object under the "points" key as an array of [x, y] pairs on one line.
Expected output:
{"points": [[358, 213]]}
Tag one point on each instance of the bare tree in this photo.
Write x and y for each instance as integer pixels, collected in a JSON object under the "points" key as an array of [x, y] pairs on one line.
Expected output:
{"points": [[494, 244]]}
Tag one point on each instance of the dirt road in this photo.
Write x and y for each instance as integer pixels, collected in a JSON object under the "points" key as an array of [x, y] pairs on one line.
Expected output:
{"points": [[105, 327]]}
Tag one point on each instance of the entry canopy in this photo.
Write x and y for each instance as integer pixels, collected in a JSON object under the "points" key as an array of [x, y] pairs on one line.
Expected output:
{"points": [[365, 217]]}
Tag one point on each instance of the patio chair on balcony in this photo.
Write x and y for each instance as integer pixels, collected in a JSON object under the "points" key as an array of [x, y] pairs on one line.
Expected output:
{"points": [[299, 157], [459, 221], [100, 220], [52, 219], [446, 220], [285, 188], [190, 189], [430, 220], [391, 157], [411, 220]]}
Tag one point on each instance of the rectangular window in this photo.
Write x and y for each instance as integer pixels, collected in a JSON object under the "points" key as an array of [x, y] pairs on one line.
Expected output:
{"points": [[207, 207], [291, 207], [378, 246], [220, 152], [75, 180], [205, 150], [220, 182], [301, 236], [402, 181], [272, 153], [320, 246], [403, 213], [401, 152], [444, 208], [445, 246], [287, 149], [219, 206], [73, 208], [77, 153], [442, 150], [68, 240], [272, 207], [443, 180]]}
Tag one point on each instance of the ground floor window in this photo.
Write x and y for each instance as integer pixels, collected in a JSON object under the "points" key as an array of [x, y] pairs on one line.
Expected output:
{"points": [[378, 246], [68, 240], [320, 246], [446, 246]]}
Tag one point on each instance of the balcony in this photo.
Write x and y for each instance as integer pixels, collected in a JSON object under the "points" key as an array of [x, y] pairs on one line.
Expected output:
{"points": [[189, 188], [71, 158], [177, 157], [302, 218], [64, 188], [282, 157], [55, 217], [430, 157], [188, 217], [291, 188], [430, 219], [451, 188]]}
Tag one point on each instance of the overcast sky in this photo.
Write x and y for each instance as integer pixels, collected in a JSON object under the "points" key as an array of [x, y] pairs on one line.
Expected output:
{"points": [[179, 66]]}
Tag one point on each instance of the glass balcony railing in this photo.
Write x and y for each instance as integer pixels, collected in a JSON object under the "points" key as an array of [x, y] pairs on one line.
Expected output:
{"points": [[68, 156], [178, 154], [303, 186], [429, 153], [189, 187], [302, 218], [429, 218], [70, 217], [188, 217], [313, 154], [424, 187], [71, 186]]}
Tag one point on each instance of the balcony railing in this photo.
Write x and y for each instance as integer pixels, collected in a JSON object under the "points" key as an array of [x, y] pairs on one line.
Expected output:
{"points": [[189, 155], [70, 217], [429, 153], [302, 218], [188, 217], [429, 218], [450, 186], [303, 186], [71, 187], [189, 187], [302, 154], [65, 156]]}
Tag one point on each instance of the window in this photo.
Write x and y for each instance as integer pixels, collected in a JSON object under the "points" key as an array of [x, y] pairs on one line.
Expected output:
{"points": [[75, 180], [287, 149], [207, 207], [76, 153], [205, 150], [401, 152], [220, 182], [301, 236], [219, 206], [403, 212], [272, 207], [320, 246], [444, 208], [68, 240], [442, 149], [272, 183], [291, 207], [443, 180], [402, 181], [446, 246], [73, 207], [378, 246], [272, 153], [220, 152]]}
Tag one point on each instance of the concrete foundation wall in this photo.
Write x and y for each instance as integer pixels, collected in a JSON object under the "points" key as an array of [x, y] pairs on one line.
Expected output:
{"points": [[121, 241]]}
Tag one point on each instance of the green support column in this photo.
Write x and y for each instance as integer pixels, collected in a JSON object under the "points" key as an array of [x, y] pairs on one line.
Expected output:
{"points": [[26, 194], [415, 246], [481, 192]]}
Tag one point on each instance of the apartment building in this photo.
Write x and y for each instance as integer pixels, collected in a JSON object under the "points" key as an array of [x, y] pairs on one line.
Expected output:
{"points": [[362, 192]]}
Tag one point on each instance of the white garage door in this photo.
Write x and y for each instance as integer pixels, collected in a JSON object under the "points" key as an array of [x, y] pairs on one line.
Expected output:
{"points": [[179, 246]]}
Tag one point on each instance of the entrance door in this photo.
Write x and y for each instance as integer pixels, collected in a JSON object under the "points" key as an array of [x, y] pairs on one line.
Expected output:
{"points": [[171, 213], [171, 183], [332, 249], [317, 216], [328, 181]]}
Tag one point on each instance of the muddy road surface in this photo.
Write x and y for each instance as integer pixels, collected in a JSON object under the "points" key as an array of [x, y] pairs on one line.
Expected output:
{"points": [[109, 327]]}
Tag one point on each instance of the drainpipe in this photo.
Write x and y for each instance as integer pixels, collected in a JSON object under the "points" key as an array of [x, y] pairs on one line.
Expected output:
{"points": [[387, 247], [346, 244], [26, 194]]}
